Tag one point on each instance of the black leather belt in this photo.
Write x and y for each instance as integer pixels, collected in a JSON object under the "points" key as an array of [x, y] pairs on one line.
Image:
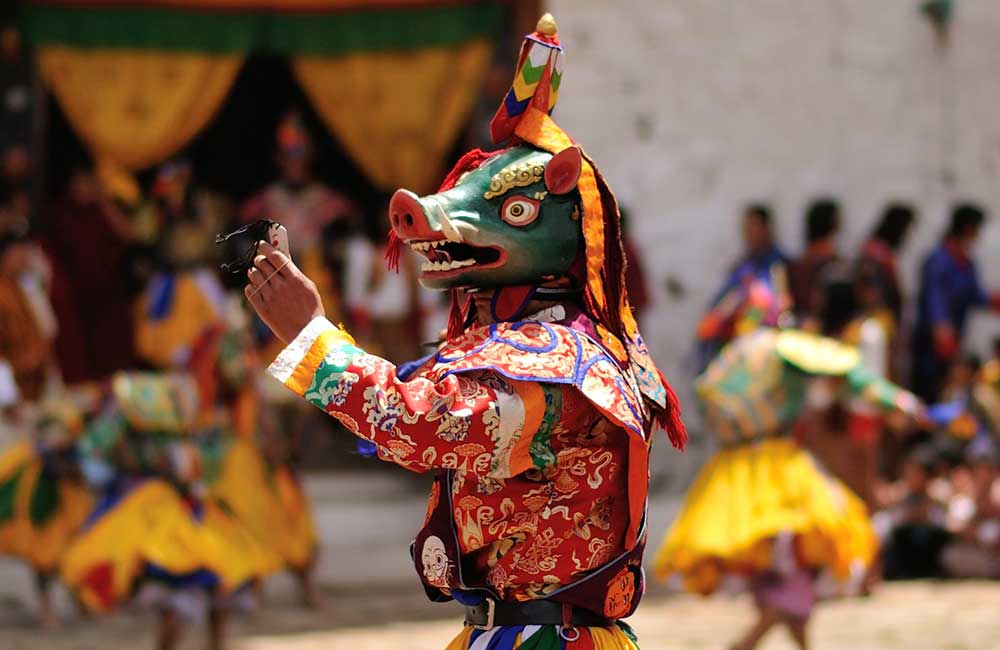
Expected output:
{"points": [[490, 613]]}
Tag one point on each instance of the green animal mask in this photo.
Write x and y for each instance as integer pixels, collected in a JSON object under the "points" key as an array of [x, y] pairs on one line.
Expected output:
{"points": [[513, 220]]}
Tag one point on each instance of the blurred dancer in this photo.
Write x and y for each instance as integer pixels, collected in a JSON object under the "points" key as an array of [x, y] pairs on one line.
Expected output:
{"points": [[256, 480], [42, 500], [762, 508], [187, 323], [184, 295], [156, 537]]}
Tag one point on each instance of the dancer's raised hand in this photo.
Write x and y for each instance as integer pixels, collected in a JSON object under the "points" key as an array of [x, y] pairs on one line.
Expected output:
{"points": [[281, 294]]}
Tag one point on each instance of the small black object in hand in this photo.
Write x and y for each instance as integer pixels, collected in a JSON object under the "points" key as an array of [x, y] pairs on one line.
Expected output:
{"points": [[245, 240]]}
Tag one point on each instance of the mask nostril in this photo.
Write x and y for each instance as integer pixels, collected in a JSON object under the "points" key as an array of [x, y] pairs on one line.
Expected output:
{"points": [[409, 219]]}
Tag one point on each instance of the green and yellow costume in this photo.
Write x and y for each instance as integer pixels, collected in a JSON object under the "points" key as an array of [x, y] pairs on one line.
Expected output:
{"points": [[269, 500], [209, 335], [255, 480], [43, 501], [762, 484], [153, 526]]}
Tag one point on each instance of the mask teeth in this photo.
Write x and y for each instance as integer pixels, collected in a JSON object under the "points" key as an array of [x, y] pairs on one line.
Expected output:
{"points": [[448, 227], [393, 251]]}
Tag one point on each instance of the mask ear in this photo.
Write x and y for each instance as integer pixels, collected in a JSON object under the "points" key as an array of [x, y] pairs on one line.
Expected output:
{"points": [[563, 171]]}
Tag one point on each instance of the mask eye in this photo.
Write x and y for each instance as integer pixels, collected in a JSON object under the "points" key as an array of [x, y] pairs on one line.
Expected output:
{"points": [[519, 211]]}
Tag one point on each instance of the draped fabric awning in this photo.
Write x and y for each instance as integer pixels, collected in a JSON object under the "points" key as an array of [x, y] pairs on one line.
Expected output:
{"points": [[291, 27], [394, 80]]}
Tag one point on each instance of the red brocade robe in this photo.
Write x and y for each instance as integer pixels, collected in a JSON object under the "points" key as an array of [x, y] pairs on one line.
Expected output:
{"points": [[544, 439]]}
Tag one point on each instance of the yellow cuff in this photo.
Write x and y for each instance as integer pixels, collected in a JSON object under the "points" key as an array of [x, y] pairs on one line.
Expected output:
{"points": [[298, 362]]}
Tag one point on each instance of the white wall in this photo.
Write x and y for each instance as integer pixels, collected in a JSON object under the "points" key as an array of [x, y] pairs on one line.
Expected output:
{"points": [[694, 107]]}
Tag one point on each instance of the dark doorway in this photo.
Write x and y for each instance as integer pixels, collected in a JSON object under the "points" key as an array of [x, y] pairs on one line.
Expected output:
{"points": [[235, 153]]}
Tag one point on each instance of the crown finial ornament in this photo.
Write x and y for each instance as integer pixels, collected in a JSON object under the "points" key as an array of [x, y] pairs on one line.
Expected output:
{"points": [[537, 77], [546, 25]]}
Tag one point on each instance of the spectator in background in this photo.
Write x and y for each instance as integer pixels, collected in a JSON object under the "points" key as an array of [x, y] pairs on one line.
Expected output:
{"points": [[26, 323], [913, 521], [871, 330], [876, 271], [949, 289], [987, 392], [87, 242], [306, 207], [755, 292], [826, 426], [822, 227], [878, 258], [383, 306], [974, 552], [991, 369], [961, 378], [969, 410], [184, 296]]}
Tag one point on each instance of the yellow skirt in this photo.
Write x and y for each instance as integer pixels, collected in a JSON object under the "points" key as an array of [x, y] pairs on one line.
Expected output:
{"points": [[746, 496], [546, 637], [152, 531], [39, 514], [272, 506]]}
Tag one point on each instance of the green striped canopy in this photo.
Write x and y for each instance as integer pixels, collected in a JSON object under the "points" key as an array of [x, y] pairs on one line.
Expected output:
{"points": [[295, 27]]}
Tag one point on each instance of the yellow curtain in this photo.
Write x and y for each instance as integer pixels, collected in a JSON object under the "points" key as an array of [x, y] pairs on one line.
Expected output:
{"points": [[134, 109], [397, 113]]}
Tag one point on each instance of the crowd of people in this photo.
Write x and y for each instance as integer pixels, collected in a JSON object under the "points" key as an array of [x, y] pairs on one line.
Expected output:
{"points": [[804, 365], [933, 487], [144, 458]]}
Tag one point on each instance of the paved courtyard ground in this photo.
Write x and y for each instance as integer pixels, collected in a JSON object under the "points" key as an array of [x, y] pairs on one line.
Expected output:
{"points": [[374, 603], [919, 616], [914, 616]]}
